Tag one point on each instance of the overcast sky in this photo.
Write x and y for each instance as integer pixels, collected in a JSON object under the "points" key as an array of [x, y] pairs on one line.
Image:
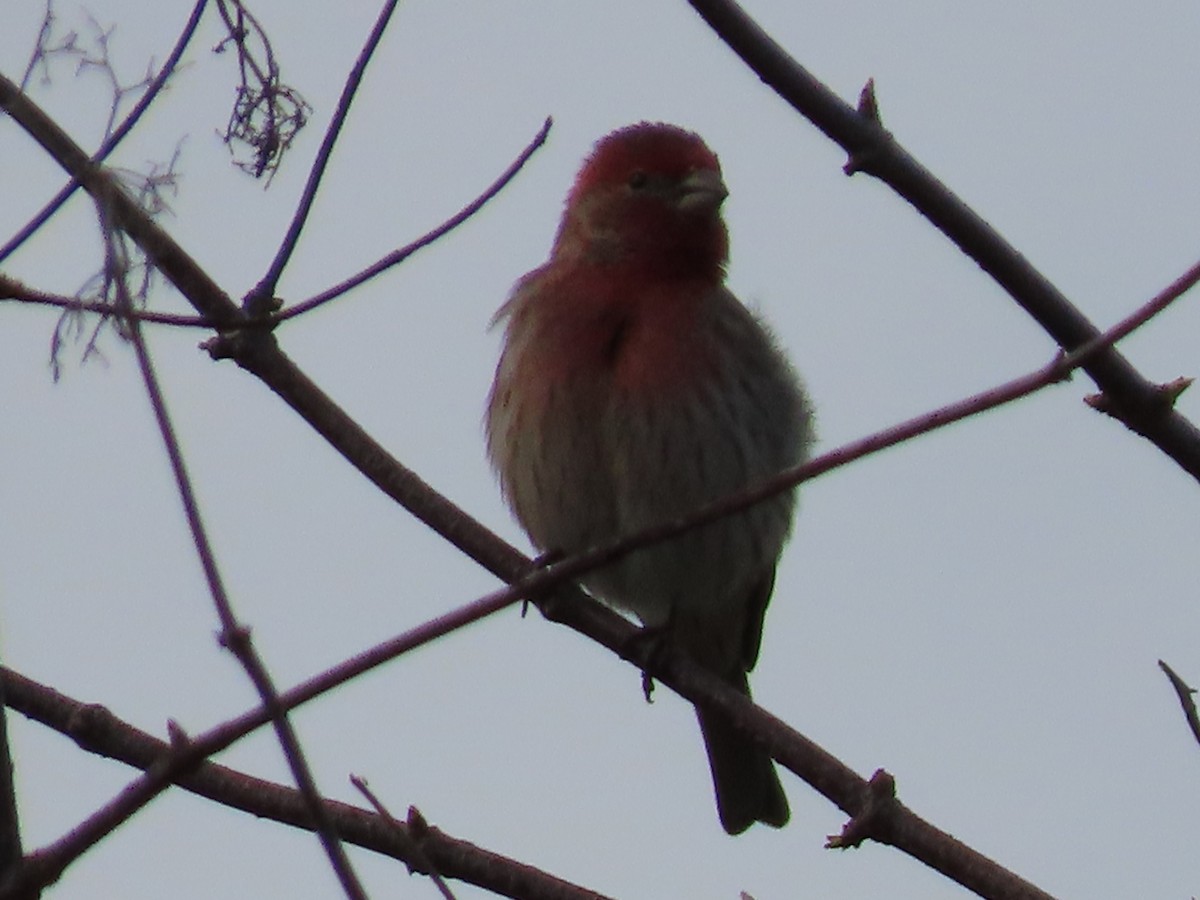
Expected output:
{"points": [[980, 612]]}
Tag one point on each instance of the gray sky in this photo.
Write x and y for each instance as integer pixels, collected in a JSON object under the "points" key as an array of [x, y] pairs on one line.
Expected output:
{"points": [[979, 612]]}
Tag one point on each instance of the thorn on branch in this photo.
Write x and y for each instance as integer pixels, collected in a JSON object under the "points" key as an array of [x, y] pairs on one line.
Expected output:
{"points": [[879, 799], [1165, 396], [1187, 698], [1173, 390], [418, 828], [178, 737], [868, 107]]}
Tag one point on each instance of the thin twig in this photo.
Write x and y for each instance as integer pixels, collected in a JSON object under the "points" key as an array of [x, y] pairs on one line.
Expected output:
{"points": [[397, 256], [39, 45], [11, 289], [404, 834], [112, 141], [264, 291], [1131, 397], [172, 260]]}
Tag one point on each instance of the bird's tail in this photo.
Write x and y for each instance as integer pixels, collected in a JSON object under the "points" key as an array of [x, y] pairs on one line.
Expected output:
{"points": [[744, 777]]}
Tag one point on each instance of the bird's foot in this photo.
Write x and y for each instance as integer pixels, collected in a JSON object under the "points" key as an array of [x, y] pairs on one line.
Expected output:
{"points": [[649, 646], [541, 561]]}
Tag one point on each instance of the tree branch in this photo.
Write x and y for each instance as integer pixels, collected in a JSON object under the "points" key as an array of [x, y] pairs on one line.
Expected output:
{"points": [[98, 731], [1133, 399]]}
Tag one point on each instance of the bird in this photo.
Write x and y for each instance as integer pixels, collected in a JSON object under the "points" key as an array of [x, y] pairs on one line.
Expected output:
{"points": [[633, 387]]}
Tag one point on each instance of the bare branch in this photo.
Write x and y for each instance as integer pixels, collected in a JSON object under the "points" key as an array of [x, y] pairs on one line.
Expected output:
{"points": [[1132, 398], [37, 56], [98, 731], [29, 295], [263, 293], [90, 54], [398, 256], [11, 289]]}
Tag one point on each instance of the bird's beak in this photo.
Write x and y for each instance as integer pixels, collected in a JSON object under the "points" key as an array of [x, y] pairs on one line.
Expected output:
{"points": [[702, 191]]}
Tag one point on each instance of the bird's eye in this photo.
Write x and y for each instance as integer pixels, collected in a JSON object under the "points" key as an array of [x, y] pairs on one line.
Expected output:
{"points": [[638, 180]]}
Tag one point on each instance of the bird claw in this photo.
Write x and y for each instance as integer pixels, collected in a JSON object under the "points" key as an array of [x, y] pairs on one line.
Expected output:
{"points": [[541, 561], [648, 687], [546, 558], [650, 643]]}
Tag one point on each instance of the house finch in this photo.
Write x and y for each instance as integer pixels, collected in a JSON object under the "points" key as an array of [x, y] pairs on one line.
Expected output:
{"points": [[633, 387]]}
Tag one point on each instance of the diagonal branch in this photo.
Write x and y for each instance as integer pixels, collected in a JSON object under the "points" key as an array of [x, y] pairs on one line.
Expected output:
{"points": [[234, 635], [1130, 397]]}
